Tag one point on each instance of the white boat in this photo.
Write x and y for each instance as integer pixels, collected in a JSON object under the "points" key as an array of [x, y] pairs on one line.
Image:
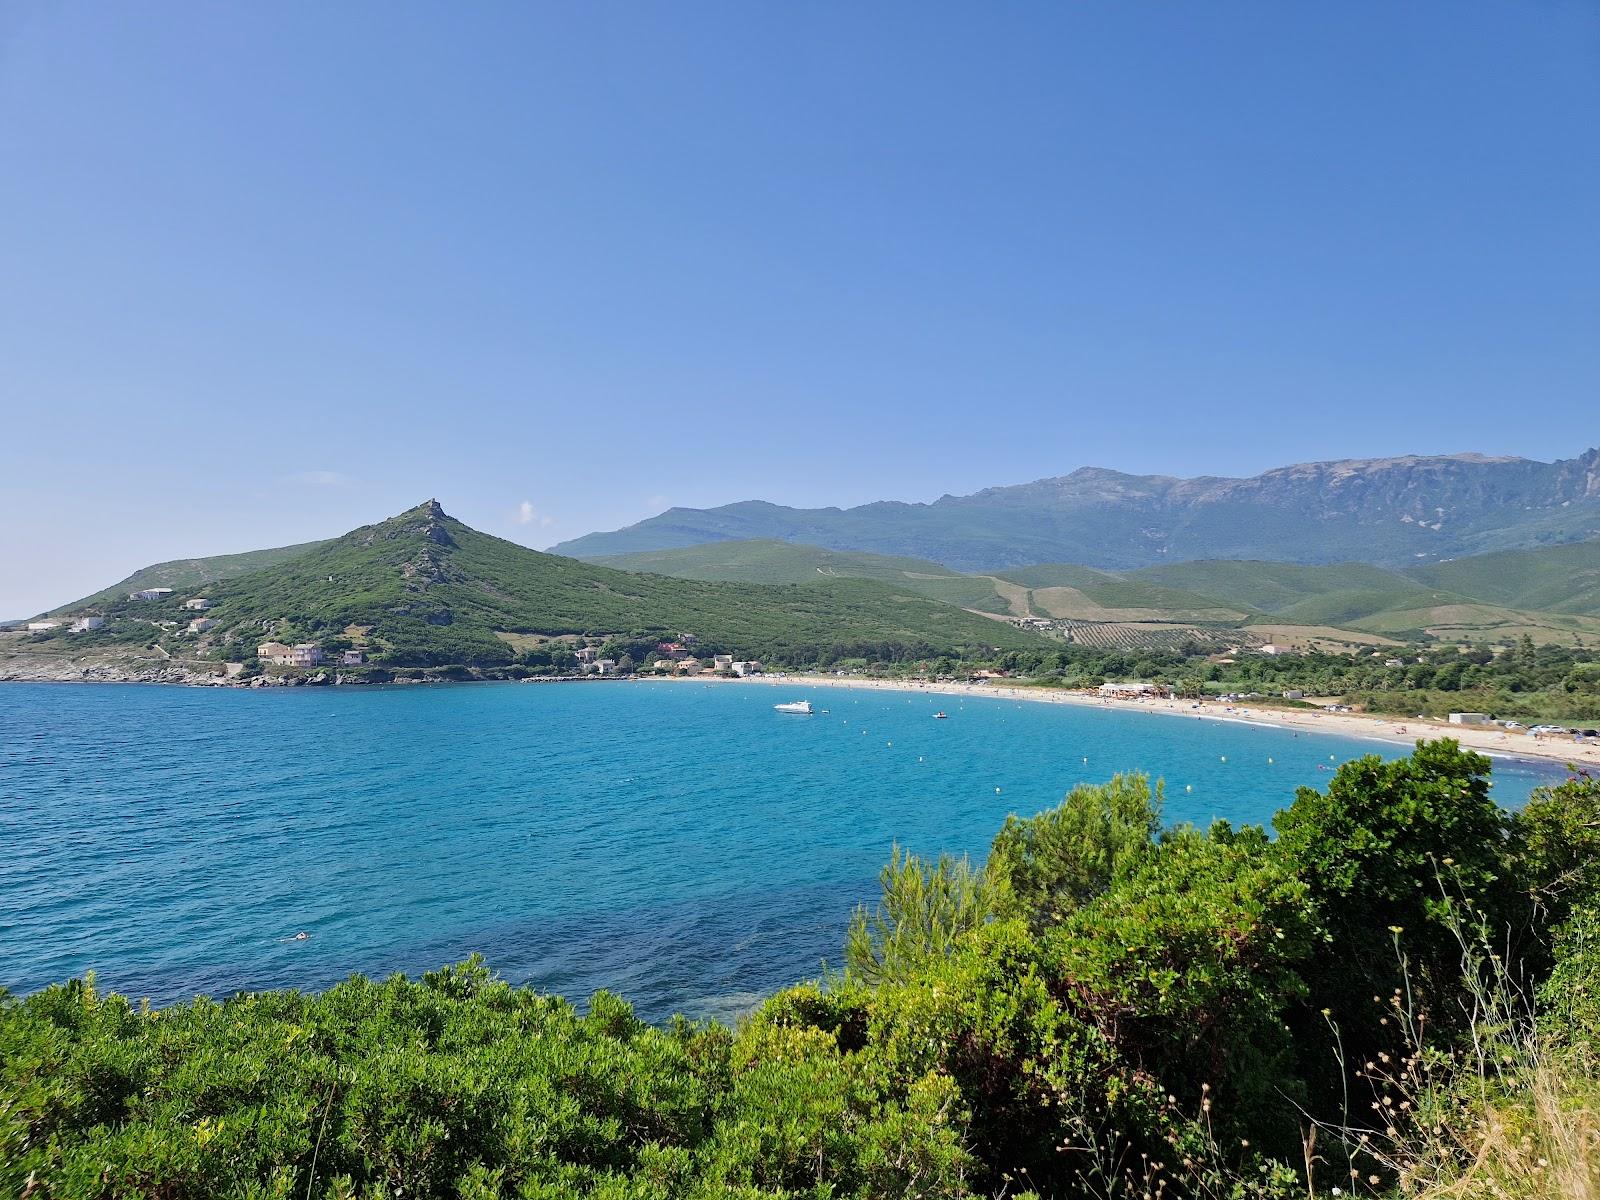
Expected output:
{"points": [[803, 707]]}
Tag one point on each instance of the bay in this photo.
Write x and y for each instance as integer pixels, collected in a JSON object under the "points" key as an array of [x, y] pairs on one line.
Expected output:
{"points": [[677, 842]]}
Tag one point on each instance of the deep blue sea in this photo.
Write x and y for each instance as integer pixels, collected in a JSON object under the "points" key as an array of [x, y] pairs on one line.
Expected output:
{"points": [[679, 843]]}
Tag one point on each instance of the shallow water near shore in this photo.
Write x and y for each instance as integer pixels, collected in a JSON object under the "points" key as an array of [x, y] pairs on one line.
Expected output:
{"points": [[679, 843]]}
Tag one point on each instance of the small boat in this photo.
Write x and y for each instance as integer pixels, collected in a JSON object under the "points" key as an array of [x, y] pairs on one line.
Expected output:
{"points": [[802, 707], [941, 716]]}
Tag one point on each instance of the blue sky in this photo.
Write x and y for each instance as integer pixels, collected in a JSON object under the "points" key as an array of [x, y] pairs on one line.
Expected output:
{"points": [[273, 271]]}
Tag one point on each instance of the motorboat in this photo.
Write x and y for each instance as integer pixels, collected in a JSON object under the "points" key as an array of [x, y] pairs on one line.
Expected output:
{"points": [[941, 716], [798, 707]]}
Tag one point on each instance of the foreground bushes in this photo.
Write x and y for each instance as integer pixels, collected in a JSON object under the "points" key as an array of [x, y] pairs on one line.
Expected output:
{"points": [[1101, 1009]]}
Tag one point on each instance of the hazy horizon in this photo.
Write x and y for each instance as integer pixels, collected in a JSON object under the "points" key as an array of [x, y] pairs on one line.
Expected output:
{"points": [[277, 273]]}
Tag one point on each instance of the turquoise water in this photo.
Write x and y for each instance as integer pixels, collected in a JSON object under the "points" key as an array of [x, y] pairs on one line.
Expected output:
{"points": [[679, 843]]}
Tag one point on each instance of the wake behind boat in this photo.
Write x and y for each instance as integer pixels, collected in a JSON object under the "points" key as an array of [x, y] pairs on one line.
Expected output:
{"points": [[801, 707]]}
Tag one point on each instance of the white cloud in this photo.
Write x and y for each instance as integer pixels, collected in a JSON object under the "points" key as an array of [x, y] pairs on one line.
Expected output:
{"points": [[527, 514]]}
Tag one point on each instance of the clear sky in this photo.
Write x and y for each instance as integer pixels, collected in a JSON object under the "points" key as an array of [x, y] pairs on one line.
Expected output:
{"points": [[271, 271]]}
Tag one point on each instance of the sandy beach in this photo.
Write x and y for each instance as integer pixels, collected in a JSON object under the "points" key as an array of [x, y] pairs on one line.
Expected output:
{"points": [[1489, 740]]}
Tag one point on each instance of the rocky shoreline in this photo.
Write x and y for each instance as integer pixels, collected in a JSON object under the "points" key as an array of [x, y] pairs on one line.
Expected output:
{"points": [[21, 667]]}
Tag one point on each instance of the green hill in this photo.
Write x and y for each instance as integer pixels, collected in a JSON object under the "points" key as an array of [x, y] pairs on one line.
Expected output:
{"points": [[190, 573], [763, 560], [423, 589], [1558, 579]]}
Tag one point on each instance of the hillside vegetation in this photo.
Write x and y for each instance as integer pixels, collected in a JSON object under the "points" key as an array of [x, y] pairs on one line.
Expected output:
{"points": [[423, 589], [186, 573], [1394, 997], [1499, 596]]}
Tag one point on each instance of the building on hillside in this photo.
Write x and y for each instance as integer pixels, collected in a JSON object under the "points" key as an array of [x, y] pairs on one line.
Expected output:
{"points": [[605, 666], [86, 624], [43, 626], [747, 668], [1469, 718], [722, 662], [352, 658], [304, 654], [1394, 662], [1271, 648], [198, 604], [201, 624], [689, 666], [150, 594], [586, 655], [672, 650], [688, 639]]}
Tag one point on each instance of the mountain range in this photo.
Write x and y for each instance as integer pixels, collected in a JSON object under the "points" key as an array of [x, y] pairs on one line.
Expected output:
{"points": [[1387, 511]]}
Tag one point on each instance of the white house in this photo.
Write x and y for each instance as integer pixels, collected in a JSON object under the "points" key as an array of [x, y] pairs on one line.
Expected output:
{"points": [[43, 626], [1122, 690], [751, 667], [150, 594], [1469, 718], [201, 624], [689, 666], [198, 604], [606, 666], [722, 662], [352, 658], [586, 656], [85, 624]]}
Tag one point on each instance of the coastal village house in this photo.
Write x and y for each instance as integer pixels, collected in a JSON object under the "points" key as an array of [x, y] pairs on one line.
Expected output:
{"points": [[150, 594], [586, 655], [605, 666], [746, 668], [689, 666], [304, 654], [722, 662], [201, 624], [86, 624], [198, 604], [352, 658]]}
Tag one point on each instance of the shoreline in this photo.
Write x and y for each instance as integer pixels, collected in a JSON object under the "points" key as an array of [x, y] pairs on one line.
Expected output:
{"points": [[1393, 731], [1492, 741]]}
